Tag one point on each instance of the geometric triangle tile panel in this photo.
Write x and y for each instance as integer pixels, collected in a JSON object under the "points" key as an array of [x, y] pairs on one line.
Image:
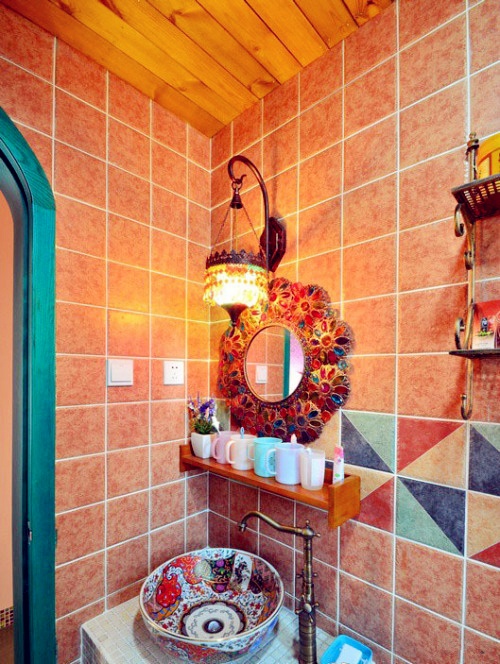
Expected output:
{"points": [[484, 459], [431, 514], [416, 437], [444, 463], [369, 440]]}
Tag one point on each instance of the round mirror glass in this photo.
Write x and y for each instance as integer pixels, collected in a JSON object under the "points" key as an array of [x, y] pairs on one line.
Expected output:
{"points": [[274, 363]]}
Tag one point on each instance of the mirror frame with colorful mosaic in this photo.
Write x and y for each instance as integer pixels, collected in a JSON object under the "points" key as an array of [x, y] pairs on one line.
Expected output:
{"points": [[326, 340]]}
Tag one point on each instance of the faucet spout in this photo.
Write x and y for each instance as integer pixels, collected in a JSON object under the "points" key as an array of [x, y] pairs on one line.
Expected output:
{"points": [[307, 532]]}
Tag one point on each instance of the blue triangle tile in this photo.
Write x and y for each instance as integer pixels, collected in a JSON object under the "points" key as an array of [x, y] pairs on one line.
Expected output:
{"points": [[445, 505], [484, 465], [358, 450]]}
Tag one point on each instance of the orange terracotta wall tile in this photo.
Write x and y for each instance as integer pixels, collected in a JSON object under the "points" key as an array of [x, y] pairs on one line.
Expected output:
{"points": [[321, 125], [172, 132], [128, 425], [127, 470], [79, 430], [166, 543], [80, 176], [80, 76], [79, 482], [199, 148], [26, 44], [442, 638], [419, 17], [80, 380], [128, 104], [86, 574], [127, 563], [128, 242], [80, 329], [80, 125], [129, 195], [320, 78], [430, 578], [128, 334], [434, 125], [135, 508], [364, 104], [26, 98], [88, 237], [79, 532]]}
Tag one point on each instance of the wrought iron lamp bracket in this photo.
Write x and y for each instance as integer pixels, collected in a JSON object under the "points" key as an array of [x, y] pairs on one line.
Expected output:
{"points": [[273, 238]]}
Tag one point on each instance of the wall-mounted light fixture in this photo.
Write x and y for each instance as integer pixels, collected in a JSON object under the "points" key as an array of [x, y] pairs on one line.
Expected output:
{"points": [[235, 279]]}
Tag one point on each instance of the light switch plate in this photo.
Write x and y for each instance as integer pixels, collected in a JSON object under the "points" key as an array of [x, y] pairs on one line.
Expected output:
{"points": [[120, 372], [173, 372], [261, 373]]}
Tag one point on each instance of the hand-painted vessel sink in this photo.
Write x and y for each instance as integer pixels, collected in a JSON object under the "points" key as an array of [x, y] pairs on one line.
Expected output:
{"points": [[212, 605]]}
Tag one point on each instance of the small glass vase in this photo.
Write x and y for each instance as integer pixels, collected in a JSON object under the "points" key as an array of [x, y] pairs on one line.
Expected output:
{"points": [[201, 444]]}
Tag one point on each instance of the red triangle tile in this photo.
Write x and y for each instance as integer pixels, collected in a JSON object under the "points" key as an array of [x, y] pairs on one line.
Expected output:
{"points": [[377, 509], [415, 437], [491, 555]]}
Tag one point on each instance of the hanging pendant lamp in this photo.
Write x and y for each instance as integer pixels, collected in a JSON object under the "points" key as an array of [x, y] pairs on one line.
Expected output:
{"points": [[235, 280]]}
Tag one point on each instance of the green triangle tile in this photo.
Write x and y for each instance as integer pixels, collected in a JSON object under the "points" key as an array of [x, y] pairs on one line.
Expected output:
{"points": [[379, 430], [413, 522], [491, 432]]}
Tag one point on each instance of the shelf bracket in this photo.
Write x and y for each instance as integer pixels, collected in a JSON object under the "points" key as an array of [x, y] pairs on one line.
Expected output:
{"points": [[477, 199], [466, 405]]}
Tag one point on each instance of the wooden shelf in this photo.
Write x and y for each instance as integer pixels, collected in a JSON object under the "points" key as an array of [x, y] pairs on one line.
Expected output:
{"points": [[476, 353], [341, 500]]}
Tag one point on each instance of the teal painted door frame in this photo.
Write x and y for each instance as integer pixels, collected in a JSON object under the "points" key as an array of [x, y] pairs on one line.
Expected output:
{"points": [[31, 201]]}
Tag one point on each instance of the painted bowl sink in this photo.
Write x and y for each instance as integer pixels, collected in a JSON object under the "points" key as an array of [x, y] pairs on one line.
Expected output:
{"points": [[212, 605]]}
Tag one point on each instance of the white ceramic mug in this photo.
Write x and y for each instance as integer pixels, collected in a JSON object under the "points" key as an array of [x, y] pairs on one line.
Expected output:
{"points": [[287, 462], [219, 445], [237, 452], [312, 469]]}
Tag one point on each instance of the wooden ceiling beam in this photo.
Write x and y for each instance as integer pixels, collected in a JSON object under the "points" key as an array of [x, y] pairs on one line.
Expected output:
{"points": [[154, 26], [292, 28], [254, 35], [196, 23]]}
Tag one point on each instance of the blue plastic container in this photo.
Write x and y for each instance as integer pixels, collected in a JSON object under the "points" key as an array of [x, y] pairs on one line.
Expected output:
{"points": [[333, 652]]}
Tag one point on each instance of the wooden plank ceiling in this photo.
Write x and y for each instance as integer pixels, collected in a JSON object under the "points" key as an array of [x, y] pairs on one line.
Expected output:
{"points": [[206, 61]]}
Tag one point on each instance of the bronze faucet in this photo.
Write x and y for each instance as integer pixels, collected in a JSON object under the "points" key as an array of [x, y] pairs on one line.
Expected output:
{"points": [[307, 603]]}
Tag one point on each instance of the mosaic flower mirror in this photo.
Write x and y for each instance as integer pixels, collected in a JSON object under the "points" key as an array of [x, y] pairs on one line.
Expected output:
{"points": [[284, 368]]}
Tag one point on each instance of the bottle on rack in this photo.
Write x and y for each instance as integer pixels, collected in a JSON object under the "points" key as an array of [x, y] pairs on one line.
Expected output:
{"points": [[338, 463]]}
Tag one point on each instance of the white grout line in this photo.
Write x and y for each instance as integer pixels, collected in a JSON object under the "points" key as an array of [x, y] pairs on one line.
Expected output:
{"points": [[106, 449]]}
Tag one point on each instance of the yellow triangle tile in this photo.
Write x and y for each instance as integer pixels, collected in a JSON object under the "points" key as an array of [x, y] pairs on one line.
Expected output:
{"points": [[484, 522], [370, 479], [444, 463]]}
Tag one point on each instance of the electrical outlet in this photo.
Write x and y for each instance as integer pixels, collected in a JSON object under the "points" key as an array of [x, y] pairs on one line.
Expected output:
{"points": [[173, 372]]}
